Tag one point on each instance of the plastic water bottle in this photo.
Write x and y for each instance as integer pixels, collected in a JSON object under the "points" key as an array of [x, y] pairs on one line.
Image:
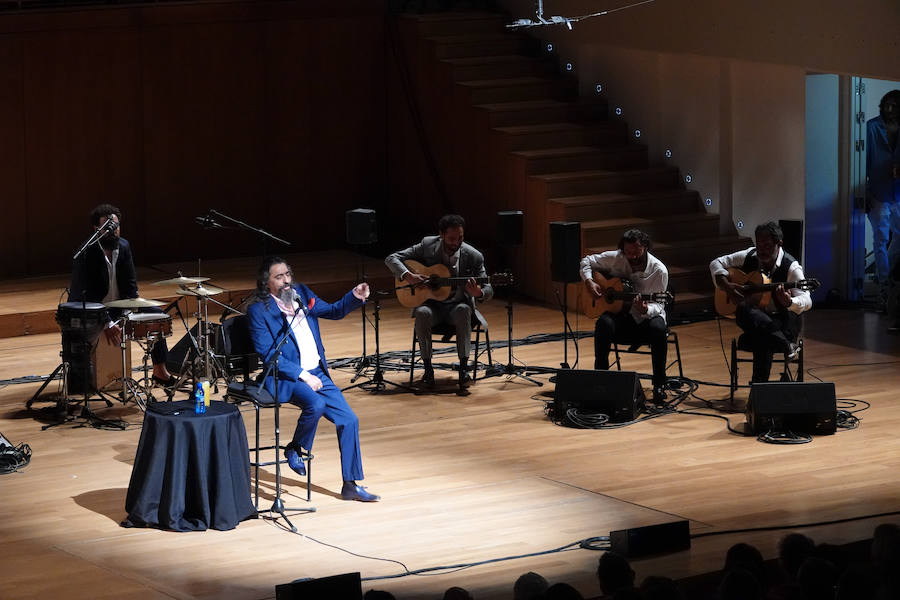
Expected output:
{"points": [[199, 400]]}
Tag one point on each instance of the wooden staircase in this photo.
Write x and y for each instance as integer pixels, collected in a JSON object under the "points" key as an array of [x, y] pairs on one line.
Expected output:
{"points": [[510, 132]]}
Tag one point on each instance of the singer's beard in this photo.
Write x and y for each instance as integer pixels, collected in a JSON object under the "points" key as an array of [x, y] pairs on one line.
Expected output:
{"points": [[110, 241], [286, 295]]}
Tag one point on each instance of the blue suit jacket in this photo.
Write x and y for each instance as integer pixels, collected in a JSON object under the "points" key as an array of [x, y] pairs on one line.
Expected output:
{"points": [[268, 324]]}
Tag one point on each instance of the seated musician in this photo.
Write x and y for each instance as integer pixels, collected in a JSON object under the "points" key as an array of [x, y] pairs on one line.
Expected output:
{"points": [[463, 260], [645, 321], [106, 272], [774, 326]]}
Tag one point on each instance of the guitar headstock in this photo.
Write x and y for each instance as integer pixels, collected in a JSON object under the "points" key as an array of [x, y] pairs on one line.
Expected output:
{"points": [[501, 279]]}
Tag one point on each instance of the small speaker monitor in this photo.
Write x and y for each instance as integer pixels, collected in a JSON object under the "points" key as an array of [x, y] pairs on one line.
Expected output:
{"points": [[361, 227], [801, 407], [347, 586], [565, 251], [616, 394], [509, 227]]}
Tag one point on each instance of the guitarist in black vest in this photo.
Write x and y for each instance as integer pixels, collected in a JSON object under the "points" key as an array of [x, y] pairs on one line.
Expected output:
{"points": [[774, 326], [644, 322]]}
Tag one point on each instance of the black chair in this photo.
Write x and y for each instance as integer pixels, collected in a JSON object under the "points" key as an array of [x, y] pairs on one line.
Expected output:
{"points": [[671, 339], [444, 333], [742, 344], [239, 351]]}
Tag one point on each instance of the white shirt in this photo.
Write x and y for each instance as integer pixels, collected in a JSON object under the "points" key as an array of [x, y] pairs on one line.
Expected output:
{"points": [[652, 280], [800, 299], [113, 292], [306, 342]]}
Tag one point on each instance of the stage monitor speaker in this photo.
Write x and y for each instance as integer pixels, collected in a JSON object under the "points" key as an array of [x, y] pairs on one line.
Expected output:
{"points": [[800, 407], [653, 539], [792, 229], [565, 251], [616, 394], [361, 227], [347, 586], [509, 227]]}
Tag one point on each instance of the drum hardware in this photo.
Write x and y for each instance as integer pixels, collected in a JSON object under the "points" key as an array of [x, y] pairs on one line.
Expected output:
{"points": [[81, 325], [146, 329]]}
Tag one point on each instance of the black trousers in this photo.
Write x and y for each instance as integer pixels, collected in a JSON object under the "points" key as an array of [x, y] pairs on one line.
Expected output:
{"points": [[767, 333], [623, 329]]}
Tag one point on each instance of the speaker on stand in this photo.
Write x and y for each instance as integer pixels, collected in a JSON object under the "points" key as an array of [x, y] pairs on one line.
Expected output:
{"points": [[565, 258], [510, 224]]}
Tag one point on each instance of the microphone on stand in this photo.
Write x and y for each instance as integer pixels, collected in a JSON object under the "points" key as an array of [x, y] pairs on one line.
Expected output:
{"points": [[109, 225]]}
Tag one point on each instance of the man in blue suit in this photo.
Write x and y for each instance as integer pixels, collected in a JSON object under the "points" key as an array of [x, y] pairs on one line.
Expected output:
{"points": [[285, 308]]}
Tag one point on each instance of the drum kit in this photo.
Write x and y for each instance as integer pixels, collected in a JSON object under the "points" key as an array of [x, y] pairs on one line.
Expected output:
{"points": [[91, 366]]}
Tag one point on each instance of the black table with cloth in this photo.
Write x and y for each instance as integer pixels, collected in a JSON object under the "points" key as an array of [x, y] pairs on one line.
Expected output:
{"points": [[191, 471]]}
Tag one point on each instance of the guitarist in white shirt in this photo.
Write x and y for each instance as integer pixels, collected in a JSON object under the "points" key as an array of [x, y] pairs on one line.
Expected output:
{"points": [[645, 321], [774, 326], [462, 260]]}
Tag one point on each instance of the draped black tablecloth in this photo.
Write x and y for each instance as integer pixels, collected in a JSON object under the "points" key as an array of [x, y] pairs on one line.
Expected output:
{"points": [[191, 472]]}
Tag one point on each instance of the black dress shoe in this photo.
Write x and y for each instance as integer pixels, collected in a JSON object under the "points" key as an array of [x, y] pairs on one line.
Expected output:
{"points": [[352, 491], [428, 377]]}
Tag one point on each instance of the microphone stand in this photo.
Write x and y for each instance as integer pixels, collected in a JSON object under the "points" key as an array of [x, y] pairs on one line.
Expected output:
{"points": [[264, 235], [377, 382], [278, 504]]}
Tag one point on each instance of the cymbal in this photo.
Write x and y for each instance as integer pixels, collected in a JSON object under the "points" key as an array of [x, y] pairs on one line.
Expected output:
{"points": [[200, 291], [181, 280], [133, 303]]}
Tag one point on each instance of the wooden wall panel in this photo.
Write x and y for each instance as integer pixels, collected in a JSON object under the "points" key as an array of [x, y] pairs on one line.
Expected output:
{"points": [[271, 112], [82, 137], [203, 111], [13, 226]]}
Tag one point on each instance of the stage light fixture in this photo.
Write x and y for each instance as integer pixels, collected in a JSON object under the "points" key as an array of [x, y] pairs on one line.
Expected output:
{"points": [[569, 67], [668, 153], [598, 88], [637, 133], [619, 111], [549, 47], [708, 201], [740, 224], [688, 178]]}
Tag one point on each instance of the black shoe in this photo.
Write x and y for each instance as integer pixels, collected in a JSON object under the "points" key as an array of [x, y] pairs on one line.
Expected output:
{"points": [[171, 381], [352, 491], [294, 461], [428, 377]]}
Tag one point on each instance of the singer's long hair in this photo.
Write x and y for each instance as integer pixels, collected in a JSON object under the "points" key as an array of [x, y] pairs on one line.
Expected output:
{"points": [[262, 277]]}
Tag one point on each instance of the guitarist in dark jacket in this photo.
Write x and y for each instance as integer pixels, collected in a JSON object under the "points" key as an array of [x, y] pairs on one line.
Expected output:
{"points": [[644, 322], [462, 260], [772, 326]]}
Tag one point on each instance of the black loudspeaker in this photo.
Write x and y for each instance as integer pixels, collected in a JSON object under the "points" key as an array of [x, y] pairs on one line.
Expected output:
{"points": [[361, 227], [800, 407], [347, 586], [793, 237], [565, 251], [616, 394], [653, 539], [509, 227]]}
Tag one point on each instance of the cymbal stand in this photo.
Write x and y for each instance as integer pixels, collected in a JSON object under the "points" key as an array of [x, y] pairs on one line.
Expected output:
{"points": [[182, 371], [206, 353], [377, 382]]}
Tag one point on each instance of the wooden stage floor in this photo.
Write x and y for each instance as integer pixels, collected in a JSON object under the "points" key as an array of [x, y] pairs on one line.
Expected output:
{"points": [[463, 479]]}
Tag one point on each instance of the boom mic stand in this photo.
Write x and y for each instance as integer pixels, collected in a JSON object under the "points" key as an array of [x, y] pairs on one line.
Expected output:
{"points": [[278, 504]]}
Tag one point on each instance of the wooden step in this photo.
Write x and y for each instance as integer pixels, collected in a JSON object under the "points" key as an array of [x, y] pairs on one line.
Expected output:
{"points": [[497, 67], [595, 182], [514, 89], [478, 44], [692, 278], [563, 134], [542, 111], [674, 226], [699, 250], [571, 158], [456, 23], [615, 204], [690, 307]]}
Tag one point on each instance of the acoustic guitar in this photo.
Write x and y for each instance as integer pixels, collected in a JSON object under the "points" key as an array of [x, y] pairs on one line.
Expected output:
{"points": [[757, 290], [617, 295], [439, 284]]}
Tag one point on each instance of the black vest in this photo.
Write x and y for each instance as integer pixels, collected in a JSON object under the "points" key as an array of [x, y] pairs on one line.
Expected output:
{"points": [[779, 275]]}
